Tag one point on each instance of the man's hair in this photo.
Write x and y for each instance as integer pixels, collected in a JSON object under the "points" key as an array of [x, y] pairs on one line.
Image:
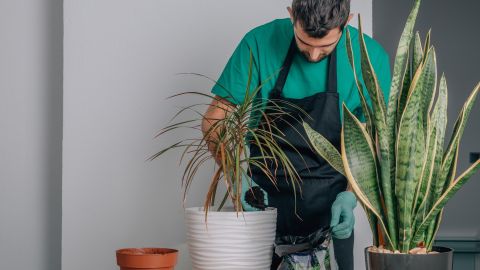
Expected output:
{"points": [[318, 17]]}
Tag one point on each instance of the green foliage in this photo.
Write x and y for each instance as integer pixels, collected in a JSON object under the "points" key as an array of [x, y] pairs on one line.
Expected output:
{"points": [[227, 140], [397, 164]]}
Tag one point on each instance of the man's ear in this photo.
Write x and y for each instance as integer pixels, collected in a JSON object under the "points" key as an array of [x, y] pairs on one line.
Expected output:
{"points": [[349, 18], [290, 11]]}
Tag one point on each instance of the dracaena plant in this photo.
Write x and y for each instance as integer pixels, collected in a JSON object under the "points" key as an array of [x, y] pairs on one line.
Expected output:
{"points": [[397, 162], [230, 137]]}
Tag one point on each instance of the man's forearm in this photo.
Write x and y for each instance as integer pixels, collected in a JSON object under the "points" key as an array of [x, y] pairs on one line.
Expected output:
{"points": [[216, 111], [211, 138]]}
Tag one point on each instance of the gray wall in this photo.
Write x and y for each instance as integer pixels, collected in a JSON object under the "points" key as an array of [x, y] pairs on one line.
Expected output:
{"points": [[31, 134], [455, 35]]}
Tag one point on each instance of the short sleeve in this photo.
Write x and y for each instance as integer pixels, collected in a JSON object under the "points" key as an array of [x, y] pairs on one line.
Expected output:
{"points": [[232, 84]]}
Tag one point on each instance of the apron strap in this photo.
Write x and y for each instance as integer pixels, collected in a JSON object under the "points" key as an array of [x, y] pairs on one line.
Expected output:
{"points": [[282, 77], [332, 72]]}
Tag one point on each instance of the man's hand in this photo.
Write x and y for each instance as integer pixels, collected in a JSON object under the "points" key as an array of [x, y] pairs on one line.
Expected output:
{"points": [[343, 219]]}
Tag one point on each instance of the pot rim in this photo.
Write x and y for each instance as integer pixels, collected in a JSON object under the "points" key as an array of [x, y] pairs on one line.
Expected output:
{"points": [[268, 210], [446, 250], [128, 251]]}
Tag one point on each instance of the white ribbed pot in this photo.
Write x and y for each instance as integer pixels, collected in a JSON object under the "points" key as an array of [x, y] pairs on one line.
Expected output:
{"points": [[231, 241]]}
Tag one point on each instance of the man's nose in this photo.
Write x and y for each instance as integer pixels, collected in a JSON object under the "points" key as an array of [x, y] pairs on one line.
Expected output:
{"points": [[315, 54]]}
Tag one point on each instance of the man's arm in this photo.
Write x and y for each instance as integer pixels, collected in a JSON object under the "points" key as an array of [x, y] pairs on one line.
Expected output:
{"points": [[216, 111]]}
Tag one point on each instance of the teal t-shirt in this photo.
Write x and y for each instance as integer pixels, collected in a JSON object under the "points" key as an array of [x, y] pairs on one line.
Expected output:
{"points": [[269, 45]]}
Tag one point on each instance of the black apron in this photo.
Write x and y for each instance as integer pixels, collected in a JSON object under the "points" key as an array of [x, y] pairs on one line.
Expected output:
{"points": [[320, 182]]}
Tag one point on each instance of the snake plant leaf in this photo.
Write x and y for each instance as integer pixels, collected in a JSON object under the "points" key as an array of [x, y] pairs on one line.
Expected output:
{"points": [[434, 185], [359, 160], [411, 67], [401, 60], [417, 52], [439, 119], [427, 85], [371, 81], [432, 230], [430, 81], [373, 222], [365, 108], [446, 172], [450, 158], [423, 187], [427, 188], [440, 203], [411, 147], [325, 149], [410, 158], [448, 169], [404, 91], [384, 140], [427, 42], [398, 80]]}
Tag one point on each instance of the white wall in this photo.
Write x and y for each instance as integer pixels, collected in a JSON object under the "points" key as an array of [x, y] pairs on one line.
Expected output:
{"points": [[120, 61], [31, 134]]}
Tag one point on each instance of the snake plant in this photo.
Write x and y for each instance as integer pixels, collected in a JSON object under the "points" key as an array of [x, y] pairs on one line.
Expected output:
{"points": [[397, 163]]}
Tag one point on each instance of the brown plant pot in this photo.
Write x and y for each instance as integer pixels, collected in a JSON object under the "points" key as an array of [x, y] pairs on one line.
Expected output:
{"points": [[147, 258]]}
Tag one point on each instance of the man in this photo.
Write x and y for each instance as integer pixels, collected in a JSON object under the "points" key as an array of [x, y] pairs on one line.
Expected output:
{"points": [[310, 51]]}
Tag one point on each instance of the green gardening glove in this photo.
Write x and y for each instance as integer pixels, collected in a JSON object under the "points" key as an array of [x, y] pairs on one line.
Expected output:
{"points": [[343, 219]]}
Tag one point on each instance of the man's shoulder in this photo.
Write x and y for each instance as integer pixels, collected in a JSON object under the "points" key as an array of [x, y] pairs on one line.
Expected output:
{"points": [[272, 26], [278, 28]]}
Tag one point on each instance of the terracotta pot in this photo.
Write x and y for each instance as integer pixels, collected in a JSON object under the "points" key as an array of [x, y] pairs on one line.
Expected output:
{"points": [[147, 258]]}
